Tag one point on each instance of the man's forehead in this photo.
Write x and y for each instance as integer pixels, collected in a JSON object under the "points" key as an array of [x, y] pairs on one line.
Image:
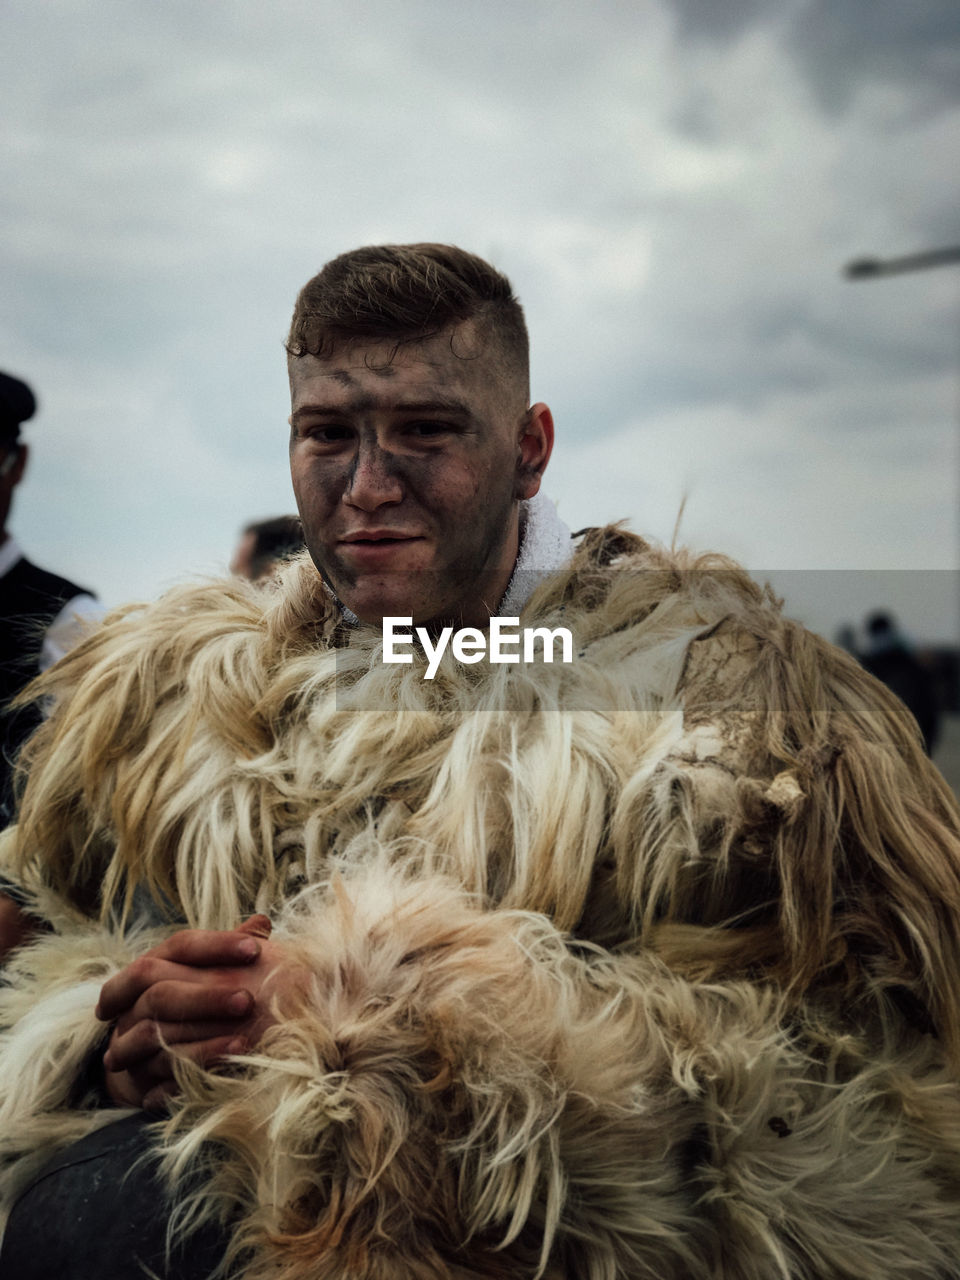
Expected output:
{"points": [[347, 377], [454, 358]]}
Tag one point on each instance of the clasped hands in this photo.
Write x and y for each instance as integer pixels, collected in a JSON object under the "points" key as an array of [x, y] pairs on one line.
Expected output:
{"points": [[203, 992]]}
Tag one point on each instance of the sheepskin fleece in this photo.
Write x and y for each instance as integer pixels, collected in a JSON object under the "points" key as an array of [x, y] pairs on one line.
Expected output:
{"points": [[641, 966]]}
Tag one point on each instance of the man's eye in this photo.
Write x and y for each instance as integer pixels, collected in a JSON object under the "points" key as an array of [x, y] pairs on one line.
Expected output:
{"points": [[429, 428], [328, 433]]}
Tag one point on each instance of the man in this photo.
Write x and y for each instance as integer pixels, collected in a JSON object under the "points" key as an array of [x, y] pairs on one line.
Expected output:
{"points": [[41, 615], [890, 658], [636, 965]]}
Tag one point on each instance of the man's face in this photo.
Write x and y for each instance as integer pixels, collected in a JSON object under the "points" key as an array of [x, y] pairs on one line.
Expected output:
{"points": [[408, 464]]}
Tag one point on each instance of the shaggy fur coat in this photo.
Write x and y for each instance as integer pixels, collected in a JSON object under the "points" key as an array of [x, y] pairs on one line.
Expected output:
{"points": [[644, 966]]}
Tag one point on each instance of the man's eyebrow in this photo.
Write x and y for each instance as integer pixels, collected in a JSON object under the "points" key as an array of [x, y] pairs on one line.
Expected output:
{"points": [[442, 405], [323, 411], [363, 404]]}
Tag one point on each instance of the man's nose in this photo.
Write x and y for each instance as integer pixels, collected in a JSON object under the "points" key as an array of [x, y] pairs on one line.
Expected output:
{"points": [[373, 481]]}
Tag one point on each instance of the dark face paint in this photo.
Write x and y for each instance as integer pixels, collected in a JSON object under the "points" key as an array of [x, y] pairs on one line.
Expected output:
{"points": [[408, 464]]}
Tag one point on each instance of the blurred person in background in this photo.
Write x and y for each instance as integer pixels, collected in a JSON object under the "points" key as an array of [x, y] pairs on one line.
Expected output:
{"points": [[264, 544], [42, 615], [890, 657]]}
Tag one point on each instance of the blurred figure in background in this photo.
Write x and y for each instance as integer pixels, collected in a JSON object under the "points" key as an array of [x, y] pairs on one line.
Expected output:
{"points": [[41, 614], [264, 544], [845, 637], [890, 657]]}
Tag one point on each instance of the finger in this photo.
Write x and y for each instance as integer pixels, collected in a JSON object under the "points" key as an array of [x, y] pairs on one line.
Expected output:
{"points": [[157, 1082], [130, 1049], [210, 947], [156, 1099], [190, 948], [147, 1072], [258, 926], [190, 1002], [212, 1052], [121, 992]]}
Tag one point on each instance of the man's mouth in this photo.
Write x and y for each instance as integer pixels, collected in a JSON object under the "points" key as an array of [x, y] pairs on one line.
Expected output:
{"points": [[375, 546], [377, 536]]}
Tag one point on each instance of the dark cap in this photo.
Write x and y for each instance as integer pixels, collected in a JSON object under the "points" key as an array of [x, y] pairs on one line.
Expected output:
{"points": [[16, 405]]}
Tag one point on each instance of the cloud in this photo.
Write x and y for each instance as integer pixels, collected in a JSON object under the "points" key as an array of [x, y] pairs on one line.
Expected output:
{"points": [[774, 484], [673, 189], [845, 46]]}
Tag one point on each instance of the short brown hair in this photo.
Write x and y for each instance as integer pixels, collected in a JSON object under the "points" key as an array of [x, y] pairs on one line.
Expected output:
{"points": [[407, 292]]}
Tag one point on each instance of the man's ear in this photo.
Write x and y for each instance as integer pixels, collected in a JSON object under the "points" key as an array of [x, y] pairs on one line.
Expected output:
{"points": [[20, 465], [535, 447]]}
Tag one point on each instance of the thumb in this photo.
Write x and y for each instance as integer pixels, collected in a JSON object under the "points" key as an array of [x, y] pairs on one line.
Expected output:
{"points": [[258, 926]]}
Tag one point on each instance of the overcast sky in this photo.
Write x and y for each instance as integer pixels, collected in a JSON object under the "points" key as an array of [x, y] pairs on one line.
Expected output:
{"points": [[672, 185]]}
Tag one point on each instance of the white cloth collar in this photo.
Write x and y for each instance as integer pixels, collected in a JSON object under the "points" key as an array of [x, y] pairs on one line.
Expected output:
{"points": [[546, 545]]}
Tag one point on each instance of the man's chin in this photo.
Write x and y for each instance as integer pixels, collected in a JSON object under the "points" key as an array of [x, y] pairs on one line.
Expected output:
{"points": [[390, 600]]}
